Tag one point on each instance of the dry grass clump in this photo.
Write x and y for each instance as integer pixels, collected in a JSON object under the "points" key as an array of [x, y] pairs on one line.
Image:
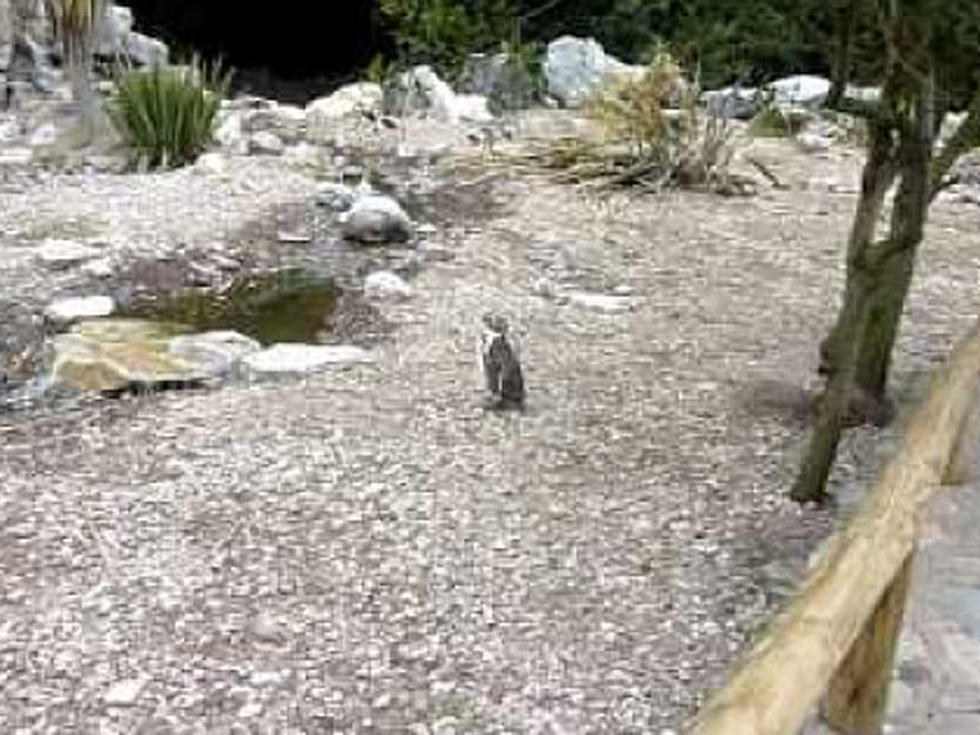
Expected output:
{"points": [[655, 135]]}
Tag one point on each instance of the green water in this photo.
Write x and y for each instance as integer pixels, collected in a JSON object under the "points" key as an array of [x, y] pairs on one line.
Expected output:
{"points": [[285, 306]]}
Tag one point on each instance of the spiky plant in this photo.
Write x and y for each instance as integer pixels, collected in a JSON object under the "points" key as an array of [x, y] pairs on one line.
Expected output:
{"points": [[167, 113]]}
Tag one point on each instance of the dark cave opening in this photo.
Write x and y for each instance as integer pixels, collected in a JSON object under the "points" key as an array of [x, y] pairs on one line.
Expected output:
{"points": [[289, 51]]}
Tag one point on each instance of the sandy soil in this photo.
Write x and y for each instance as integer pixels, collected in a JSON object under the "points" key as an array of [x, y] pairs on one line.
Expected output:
{"points": [[366, 550]]}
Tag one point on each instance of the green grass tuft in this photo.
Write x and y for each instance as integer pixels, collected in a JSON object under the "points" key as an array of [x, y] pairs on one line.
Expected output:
{"points": [[167, 114]]}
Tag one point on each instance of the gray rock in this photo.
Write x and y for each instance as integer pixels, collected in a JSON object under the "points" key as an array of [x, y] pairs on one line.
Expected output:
{"points": [[813, 142], [265, 143], [862, 94], [376, 218], [306, 155], [212, 163], [303, 358], [32, 58], [115, 26], [288, 122], [99, 268], [739, 103], [420, 89], [145, 50], [386, 285], [229, 132], [79, 307], [249, 710], [804, 90], [44, 135], [349, 101], [604, 303], [501, 78], [434, 253], [16, 156], [63, 252], [10, 130], [545, 288], [221, 350], [335, 196], [576, 68], [291, 236], [125, 693]]}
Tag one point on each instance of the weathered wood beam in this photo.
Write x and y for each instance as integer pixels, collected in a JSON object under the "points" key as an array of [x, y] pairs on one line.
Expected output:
{"points": [[780, 681]]}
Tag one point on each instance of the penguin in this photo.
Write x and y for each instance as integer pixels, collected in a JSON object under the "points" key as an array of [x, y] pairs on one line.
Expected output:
{"points": [[501, 364]]}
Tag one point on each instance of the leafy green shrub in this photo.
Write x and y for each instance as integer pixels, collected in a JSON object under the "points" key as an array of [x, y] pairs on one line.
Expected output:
{"points": [[773, 121], [379, 70], [442, 32], [166, 114]]}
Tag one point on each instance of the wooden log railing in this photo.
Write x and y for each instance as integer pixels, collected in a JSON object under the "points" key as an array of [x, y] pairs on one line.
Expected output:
{"points": [[838, 635]]}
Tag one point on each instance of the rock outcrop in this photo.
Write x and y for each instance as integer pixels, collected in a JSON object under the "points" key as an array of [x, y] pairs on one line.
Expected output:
{"points": [[28, 48], [116, 354], [577, 68]]}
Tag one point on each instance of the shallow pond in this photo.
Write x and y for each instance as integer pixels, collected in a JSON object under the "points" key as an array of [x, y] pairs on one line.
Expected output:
{"points": [[290, 305]]}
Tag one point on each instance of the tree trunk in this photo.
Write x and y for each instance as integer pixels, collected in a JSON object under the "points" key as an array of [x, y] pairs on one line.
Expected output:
{"points": [[874, 357], [844, 15], [878, 273], [907, 224], [878, 175], [811, 482]]}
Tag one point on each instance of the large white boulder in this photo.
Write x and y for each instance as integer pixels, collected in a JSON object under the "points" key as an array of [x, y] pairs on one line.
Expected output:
{"points": [[575, 69], [804, 90]]}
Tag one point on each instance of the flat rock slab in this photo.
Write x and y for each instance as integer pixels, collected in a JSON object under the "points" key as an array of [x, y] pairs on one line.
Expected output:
{"points": [[605, 303], [125, 693], [79, 307], [221, 349], [61, 252], [19, 156], [303, 358], [112, 354]]}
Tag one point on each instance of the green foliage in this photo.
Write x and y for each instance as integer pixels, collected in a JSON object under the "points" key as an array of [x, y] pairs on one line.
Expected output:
{"points": [[770, 122], [379, 71], [751, 41], [746, 40], [443, 32], [774, 121], [167, 114]]}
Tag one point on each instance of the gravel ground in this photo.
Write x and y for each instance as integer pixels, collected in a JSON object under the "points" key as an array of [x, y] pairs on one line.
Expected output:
{"points": [[366, 550]]}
